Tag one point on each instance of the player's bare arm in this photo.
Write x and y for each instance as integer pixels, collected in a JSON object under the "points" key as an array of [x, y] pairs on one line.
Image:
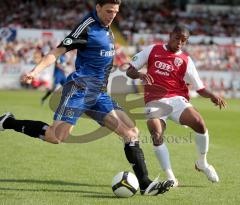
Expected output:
{"points": [[217, 100], [46, 61], [135, 74]]}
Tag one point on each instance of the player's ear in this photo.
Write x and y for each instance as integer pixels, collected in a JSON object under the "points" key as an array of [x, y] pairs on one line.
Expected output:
{"points": [[98, 7]]}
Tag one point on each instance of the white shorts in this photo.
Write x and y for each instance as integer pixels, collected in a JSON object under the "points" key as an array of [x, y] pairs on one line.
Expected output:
{"points": [[165, 108]]}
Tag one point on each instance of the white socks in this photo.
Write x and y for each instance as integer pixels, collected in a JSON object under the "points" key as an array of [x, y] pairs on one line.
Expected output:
{"points": [[162, 155], [202, 144]]}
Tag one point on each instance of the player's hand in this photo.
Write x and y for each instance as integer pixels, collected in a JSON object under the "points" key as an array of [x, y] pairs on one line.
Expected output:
{"points": [[28, 77], [146, 78], [218, 101]]}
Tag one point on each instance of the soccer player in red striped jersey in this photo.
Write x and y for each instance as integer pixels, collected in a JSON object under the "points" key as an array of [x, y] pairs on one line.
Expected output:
{"points": [[169, 71]]}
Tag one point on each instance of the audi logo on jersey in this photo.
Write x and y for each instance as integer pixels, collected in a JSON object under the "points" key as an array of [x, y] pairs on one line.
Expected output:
{"points": [[164, 66]]}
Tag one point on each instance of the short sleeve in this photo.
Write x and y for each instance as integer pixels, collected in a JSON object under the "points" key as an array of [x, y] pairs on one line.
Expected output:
{"points": [[141, 58], [77, 39], [192, 76]]}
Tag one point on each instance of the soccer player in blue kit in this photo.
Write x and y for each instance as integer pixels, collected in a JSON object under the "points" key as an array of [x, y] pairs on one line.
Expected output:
{"points": [[59, 77], [85, 92]]}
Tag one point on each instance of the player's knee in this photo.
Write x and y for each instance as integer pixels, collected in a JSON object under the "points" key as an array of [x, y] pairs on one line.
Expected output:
{"points": [[135, 131], [200, 125], [157, 138], [57, 133], [50, 136], [62, 135], [133, 134]]}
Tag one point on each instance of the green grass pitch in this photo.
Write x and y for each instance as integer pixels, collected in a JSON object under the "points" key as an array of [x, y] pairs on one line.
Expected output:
{"points": [[35, 172]]}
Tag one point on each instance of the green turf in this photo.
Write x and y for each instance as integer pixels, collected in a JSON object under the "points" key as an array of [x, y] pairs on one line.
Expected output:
{"points": [[35, 172]]}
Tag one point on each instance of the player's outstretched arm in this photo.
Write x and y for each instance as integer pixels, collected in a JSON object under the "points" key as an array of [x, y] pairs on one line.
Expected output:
{"points": [[46, 61], [135, 74], [217, 100]]}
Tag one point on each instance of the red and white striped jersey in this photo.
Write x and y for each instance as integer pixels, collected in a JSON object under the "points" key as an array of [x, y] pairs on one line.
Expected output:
{"points": [[171, 72]]}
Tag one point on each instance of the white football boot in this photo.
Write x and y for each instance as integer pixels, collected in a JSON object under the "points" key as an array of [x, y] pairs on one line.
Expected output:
{"points": [[209, 171]]}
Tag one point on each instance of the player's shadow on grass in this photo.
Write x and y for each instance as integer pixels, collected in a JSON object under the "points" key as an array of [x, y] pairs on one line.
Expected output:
{"points": [[52, 182], [103, 196], [192, 185], [57, 183], [55, 190]]}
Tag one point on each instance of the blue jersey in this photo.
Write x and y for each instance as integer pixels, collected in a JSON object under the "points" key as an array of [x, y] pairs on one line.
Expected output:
{"points": [[84, 91], [95, 52]]}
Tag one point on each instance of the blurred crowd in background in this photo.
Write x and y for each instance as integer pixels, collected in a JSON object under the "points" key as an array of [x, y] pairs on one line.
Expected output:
{"points": [[27, 51], [160, 18], [42, 14], [134, 17], [206, 57]]}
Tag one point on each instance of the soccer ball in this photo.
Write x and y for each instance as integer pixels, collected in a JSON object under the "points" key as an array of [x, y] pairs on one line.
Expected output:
{"points": [[125, 184]]}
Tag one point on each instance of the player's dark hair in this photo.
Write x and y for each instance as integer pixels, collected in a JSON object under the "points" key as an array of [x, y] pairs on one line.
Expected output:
{"points": [[103, 2], [180, 28]]}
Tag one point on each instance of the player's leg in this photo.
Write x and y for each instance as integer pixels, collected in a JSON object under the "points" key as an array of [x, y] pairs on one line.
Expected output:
{"points": [[157, 113], [107, 113], [59, 130], [122, 125], [156, 128], [119, 122], [35, 129], [71, 106], [192, 118], [47, 94], [65, 117]]}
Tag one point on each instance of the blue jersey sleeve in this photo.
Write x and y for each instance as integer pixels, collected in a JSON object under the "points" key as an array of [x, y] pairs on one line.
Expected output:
{"points": [[77, 39]]}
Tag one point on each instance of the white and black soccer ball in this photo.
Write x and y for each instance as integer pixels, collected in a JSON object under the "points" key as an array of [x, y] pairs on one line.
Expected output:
{"points": [[125, 184]]}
